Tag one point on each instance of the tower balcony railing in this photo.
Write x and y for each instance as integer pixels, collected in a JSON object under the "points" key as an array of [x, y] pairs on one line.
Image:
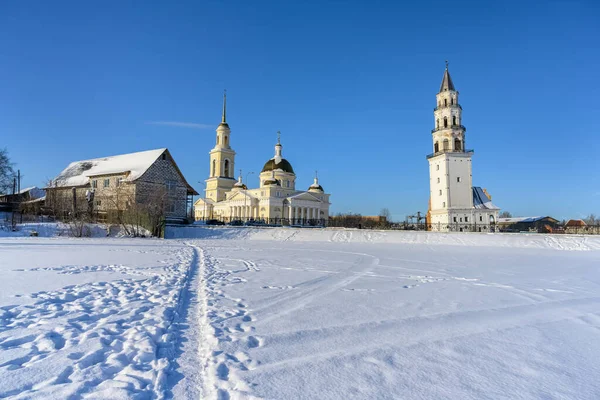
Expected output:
{"points": [[468, 151], [449, 127], [447, 105]]}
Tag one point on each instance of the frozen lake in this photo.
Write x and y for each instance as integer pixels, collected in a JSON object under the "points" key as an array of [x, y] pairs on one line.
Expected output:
{"points": [[292, 313]]}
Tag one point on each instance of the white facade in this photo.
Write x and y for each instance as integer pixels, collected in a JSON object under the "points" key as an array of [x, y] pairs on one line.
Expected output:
{"points": [[276, 200], [454, 203]]}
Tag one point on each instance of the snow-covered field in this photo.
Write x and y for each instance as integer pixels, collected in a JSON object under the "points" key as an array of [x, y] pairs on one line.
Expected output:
{"points": [[291, 313]]}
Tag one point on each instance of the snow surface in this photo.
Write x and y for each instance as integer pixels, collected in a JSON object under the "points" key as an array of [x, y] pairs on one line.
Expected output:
{"points": [[301, 313]]}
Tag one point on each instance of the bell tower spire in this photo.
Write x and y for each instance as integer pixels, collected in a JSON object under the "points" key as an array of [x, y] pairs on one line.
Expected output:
{"points": [[224, 117], [222, 160]]}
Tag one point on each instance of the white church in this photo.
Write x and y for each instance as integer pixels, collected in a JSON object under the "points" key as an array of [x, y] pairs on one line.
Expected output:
{"points": [[276, 200], [454, 203]]}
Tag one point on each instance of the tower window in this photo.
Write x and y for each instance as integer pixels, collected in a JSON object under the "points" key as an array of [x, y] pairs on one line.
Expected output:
{"points": [[445, 102], [445, 122], [452, 101], [457, 145], [214, 168], [217, 140], [226, 141], [226, 168], [436, 147], [446, 144], [454, 120], [437, 123], [458, 179]]}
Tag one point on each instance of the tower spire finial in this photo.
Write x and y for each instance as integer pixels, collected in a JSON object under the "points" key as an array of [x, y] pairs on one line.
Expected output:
{"points": [[278, 137], [224, 119], [447, 64]]}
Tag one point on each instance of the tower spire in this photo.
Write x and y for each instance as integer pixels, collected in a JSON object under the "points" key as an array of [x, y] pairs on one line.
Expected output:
{"points": [[224, 119], [446, 81]]}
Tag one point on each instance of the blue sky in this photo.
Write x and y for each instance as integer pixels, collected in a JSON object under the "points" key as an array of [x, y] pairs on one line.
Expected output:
{"points": [[351, 86]]}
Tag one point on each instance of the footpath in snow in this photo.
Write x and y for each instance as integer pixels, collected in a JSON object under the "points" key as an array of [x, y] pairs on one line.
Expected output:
{"points": [[300, 313]]}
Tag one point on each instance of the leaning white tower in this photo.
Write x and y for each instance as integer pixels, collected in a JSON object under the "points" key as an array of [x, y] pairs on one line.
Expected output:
{"points": [[454, 204], [451, 197]]}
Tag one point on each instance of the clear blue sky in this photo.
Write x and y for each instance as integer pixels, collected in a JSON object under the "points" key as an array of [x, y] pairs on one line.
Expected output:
{"points": [[351, 86]]}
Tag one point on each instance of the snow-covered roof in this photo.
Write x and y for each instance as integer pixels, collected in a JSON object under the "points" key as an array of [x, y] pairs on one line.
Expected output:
{"points": [[481, 200], [515, 220], [134, 164]]}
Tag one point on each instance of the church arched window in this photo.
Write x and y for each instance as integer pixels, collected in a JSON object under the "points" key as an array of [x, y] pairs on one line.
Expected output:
{"points": [[457, 145], [214, 168], [445, 102], [445, 122], [226, 141], [226, 168], [436, 147], [454, 120], [446, 144], [452, 101]]}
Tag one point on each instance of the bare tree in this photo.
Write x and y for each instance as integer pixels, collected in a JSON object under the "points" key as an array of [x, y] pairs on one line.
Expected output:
{"points": [[591, 220], [385, 212], [7, 173], [505, 214]]}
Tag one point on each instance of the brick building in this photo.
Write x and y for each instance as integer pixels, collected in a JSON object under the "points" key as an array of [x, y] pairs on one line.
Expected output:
{"points": [[118, 183]]}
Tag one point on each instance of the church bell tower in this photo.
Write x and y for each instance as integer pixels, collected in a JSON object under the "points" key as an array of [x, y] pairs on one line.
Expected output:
{"points": [[450, 173], [222, 157]]}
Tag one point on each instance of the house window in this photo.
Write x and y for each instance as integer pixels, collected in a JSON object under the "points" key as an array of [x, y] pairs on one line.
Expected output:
{"points": [[119, 180], [460, 219], [437, 167], [287, 183], [458, 179], [440, 192], [438, 180], [164, 156], [106, 183], [444, 204], [95, 183], [98, 202], [171, 207], [480, 218], [454, 219], [171, 186], [466, 219], [278, 194]]}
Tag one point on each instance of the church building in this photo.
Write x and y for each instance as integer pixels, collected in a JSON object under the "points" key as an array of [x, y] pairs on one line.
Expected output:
{"points": [[275, 201], [454, 203]]}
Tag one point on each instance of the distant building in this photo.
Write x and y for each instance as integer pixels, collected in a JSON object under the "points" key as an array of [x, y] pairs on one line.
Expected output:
{"points": [[578, 226], [528, 224], [116, 183], [12, 202], [275, 200], [455, 204]]}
